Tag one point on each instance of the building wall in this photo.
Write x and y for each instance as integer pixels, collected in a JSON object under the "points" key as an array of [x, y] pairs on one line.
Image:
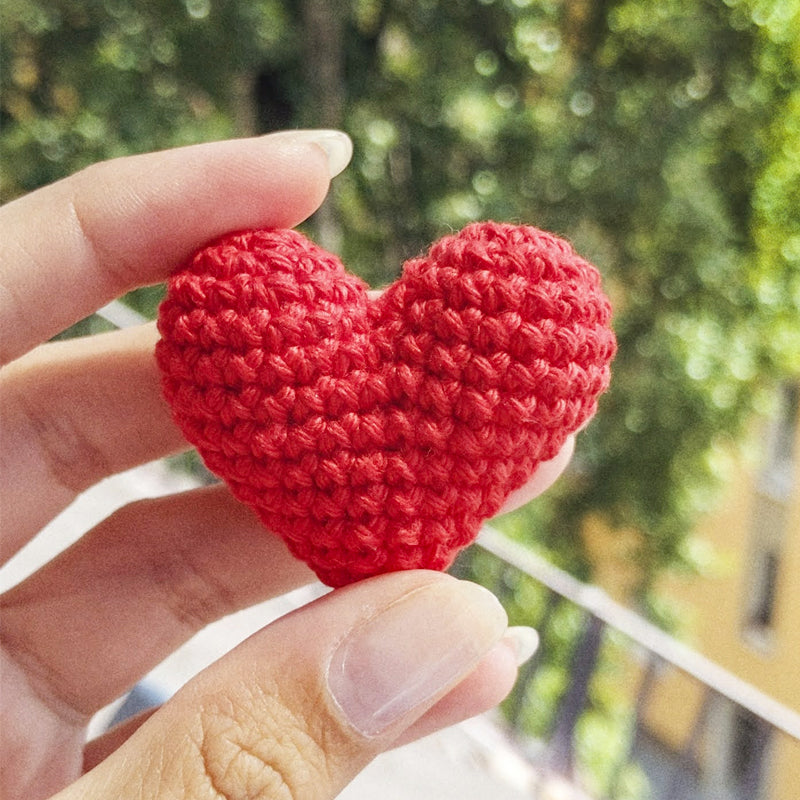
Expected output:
{"points": [[745, 614]]}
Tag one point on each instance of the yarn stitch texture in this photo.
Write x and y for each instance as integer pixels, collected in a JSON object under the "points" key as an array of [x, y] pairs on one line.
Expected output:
{"points": [[377, 435]]}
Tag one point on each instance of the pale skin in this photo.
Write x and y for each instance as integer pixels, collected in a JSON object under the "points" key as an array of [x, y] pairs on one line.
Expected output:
{"points": [[283, 715]]}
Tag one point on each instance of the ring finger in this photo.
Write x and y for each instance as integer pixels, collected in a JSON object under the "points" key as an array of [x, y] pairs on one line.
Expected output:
{"points": [[105, 612]]}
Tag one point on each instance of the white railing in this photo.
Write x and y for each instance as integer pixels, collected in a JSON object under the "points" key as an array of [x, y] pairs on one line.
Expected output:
{"points": [[685, 772]]}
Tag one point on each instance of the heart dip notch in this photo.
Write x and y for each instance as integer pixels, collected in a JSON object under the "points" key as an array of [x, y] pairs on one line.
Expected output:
{"points": [[377, 435]]}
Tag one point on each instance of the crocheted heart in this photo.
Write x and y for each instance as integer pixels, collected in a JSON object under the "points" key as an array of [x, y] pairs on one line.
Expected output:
{"points": [[378, 434]]}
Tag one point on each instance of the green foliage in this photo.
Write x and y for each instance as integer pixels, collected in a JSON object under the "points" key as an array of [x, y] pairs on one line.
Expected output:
{"points": [[661, 136], [87, 81], [776, 221], [692, 116]]}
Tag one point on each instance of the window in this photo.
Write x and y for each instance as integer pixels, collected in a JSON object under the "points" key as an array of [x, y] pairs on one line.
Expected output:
{"points": [[767, 528], [764, 585]]}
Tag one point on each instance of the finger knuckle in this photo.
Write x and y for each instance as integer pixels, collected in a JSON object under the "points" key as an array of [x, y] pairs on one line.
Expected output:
{"points": [[190, 592], [61, 441], [270, 755]]}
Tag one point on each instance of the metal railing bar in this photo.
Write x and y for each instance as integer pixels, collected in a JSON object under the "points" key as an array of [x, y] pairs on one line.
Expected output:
{"points": [[670, 650], [530, 669], [121, 315], [679, 784], [561, 745], [757, 758], [646, 684]]}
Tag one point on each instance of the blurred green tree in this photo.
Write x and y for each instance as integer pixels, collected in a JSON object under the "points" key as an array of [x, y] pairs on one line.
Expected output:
{"points": [[661, 136]]}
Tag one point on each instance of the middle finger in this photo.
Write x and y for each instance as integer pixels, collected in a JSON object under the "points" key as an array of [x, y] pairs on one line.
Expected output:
{"points": [[75, 412]]}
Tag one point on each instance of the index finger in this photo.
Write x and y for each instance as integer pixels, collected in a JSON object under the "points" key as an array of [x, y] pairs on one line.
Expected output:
{"points": [[67, 249]]}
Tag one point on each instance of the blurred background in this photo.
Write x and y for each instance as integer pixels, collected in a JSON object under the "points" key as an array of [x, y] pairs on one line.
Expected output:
{"points": [[662, 137]]}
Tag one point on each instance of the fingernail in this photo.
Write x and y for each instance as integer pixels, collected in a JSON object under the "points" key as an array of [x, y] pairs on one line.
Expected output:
{"points": [[523, 641], [337, 146], [408, 655]]}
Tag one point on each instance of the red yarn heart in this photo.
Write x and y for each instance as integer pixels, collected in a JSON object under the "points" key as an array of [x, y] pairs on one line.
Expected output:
{"points": [[376, 435]]}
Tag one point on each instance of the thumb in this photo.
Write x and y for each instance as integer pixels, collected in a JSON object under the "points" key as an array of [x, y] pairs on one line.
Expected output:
{"points": [[297, 710]]}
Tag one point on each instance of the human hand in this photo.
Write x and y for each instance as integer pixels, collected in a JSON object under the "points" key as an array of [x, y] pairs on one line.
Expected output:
{"points": [[299, 708]]}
